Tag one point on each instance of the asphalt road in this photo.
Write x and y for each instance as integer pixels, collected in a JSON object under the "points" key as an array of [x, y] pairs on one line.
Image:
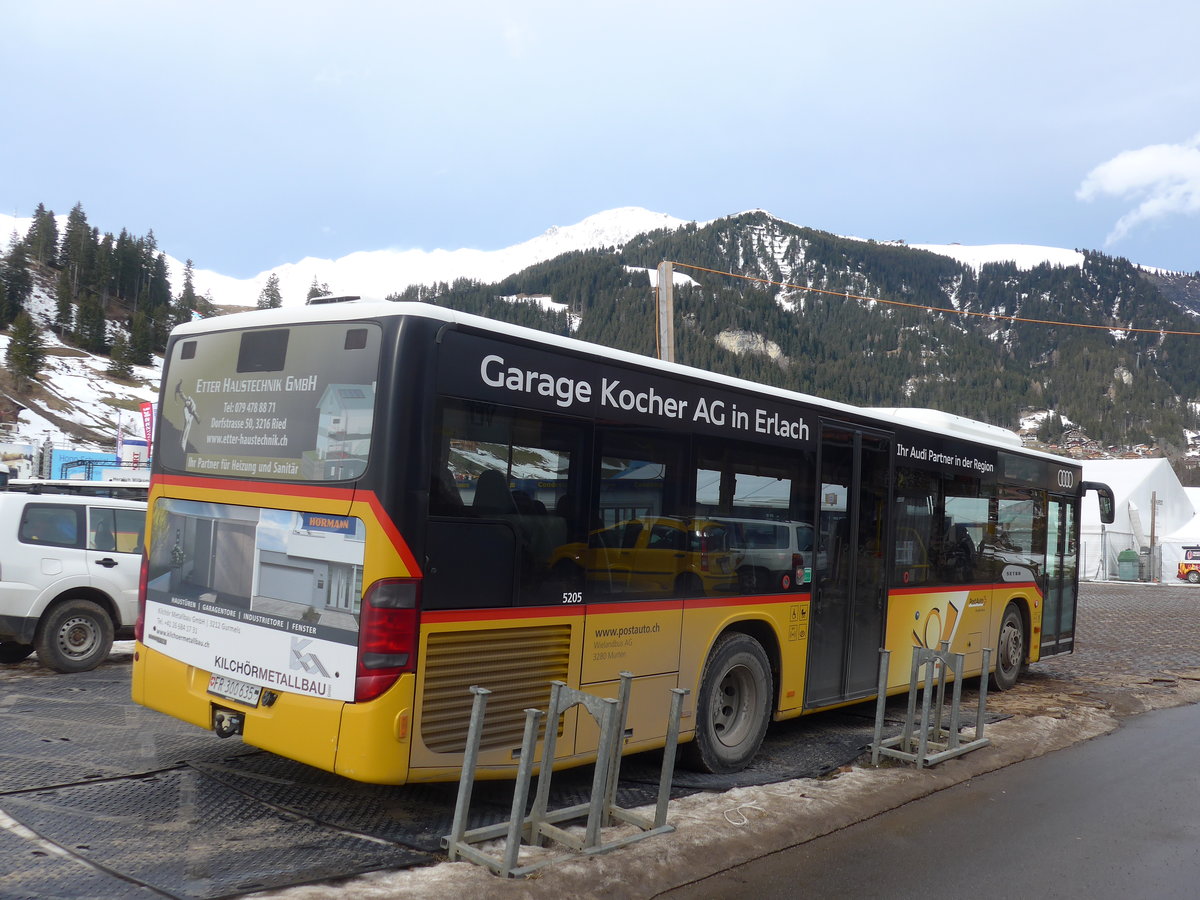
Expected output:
{"points": [[1117, 816]]}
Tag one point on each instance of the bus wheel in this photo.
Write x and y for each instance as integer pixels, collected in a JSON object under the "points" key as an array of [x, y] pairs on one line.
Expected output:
{"points": [[733, 708], [12, 652], [689, 585], [1193, 577], [74, 636], [1010, 650]]}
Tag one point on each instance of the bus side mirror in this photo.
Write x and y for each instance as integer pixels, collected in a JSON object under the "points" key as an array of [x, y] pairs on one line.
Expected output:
{"points": [[1108, 503]]}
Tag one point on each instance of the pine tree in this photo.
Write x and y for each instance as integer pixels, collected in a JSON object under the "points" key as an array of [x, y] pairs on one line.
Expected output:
{"points": [[18, 280], [141, 339], [317, 290], [159, 291], [187, 302], [75, 254], [65, 305], [270, 297], [42, 238], [90, 326], [26, 355], [120, 358]]}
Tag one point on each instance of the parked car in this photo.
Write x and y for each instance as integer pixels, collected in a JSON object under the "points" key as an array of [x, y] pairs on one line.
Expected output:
{"points": [[775, 556], [69, 569], [661, 555], [1189, 567]]}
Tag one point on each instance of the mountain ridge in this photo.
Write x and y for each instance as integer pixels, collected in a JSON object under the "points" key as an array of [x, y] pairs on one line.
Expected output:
{"points": [[806, 313]]}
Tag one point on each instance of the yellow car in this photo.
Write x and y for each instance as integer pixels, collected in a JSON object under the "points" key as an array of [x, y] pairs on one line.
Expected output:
{"points": [[656, 555]]}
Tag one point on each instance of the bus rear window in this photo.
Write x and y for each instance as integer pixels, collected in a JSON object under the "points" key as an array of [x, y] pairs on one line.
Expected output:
{"points": [[287, 404]]}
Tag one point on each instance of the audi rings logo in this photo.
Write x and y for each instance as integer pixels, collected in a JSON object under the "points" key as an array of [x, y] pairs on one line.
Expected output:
{"points": [[1066, 478]]}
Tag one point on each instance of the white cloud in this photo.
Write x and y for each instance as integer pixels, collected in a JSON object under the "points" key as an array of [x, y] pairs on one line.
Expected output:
{"points": [[1164, 179], [517, 40]]}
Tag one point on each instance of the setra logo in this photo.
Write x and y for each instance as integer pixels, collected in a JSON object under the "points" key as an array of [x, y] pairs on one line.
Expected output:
{"points": [[310, 663]]}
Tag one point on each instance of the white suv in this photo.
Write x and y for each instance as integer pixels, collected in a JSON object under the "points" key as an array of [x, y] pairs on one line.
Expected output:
{"points": [[774, 556], [69, 569]]}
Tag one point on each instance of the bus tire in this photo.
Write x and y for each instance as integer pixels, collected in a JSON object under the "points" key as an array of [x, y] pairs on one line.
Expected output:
{"points": [[14, 652], [1010, 650], [74, 636], [689, 585], [733, 708], [1193, 577]]}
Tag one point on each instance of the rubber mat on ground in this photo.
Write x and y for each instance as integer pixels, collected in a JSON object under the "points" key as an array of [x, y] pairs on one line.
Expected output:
{"points": [[415, 815], [32, 872], [84, 727], [188, 836]]}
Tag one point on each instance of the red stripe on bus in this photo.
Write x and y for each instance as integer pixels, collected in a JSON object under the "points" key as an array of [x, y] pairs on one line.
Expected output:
{"points": [[603, 609], [714, 602], [393, 533], [958, 589], [443, 616]]}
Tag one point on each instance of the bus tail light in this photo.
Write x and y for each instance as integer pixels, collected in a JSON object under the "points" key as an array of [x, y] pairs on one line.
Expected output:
{"points": [[387, 636], [139, 625], [703, 552]]}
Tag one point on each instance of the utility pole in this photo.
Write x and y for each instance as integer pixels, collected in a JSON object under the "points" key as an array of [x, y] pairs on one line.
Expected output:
{"points": [[664, 312], [1155, 569]]}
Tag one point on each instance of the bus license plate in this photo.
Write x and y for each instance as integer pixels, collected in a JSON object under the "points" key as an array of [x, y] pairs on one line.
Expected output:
{"points": [[232, 689]]}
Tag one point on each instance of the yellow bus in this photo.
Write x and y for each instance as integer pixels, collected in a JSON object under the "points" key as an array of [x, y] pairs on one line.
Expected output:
{"points": [[360, 509]]}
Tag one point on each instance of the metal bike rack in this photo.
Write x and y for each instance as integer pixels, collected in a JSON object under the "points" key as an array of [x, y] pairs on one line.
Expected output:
{"points": [[541, 825], [927, 743]]}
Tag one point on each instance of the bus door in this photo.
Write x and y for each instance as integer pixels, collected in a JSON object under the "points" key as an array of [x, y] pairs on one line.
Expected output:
{"points": [[1062, 565], [849, 585]]}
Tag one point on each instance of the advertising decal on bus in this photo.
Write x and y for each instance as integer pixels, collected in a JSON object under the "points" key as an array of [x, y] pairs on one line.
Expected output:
{"points": [[278, 610], [262, 420]]}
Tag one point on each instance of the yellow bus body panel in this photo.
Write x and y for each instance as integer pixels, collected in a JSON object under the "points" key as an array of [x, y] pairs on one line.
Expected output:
{"points": [[374, 741], [968, 617], [297, 727]]}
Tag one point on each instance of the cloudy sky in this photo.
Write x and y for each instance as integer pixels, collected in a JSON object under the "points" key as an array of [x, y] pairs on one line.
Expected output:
{"points": [[251, 134]]}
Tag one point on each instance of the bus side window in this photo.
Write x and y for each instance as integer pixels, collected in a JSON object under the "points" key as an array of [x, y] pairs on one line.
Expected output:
{"points": [[510, 480]]}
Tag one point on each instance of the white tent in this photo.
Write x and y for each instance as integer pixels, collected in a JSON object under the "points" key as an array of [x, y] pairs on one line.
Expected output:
{"points": [[1149, 498], [1187, 535]]}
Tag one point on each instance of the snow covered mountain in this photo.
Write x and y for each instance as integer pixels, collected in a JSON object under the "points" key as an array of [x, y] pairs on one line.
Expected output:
{"points": [[77, 403], [377, 273]]}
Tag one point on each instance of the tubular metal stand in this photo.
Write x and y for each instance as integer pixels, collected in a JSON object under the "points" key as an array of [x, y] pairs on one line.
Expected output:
{"points": [[928, 743], [541, 825]]}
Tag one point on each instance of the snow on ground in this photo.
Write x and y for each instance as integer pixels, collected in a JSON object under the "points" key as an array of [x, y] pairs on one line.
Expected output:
{"points": [[82, 392], [1026, 256], [1035, 418]]}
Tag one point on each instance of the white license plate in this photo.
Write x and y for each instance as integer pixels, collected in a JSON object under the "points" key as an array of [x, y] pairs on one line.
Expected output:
{"points": [[232, 689]]}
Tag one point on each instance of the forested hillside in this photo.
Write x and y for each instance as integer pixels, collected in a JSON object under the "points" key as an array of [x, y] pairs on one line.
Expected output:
{"points": [[1121, 386]]}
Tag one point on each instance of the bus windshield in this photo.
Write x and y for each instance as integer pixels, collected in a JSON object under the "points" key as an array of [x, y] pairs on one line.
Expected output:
{"points": [[294, 403]]}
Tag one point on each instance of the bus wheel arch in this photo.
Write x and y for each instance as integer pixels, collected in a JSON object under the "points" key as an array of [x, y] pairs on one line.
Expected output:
{"points": [[1012, 646], [735, 702]]}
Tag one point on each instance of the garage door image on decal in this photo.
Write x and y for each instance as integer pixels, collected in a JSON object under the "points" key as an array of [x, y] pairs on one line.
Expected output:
{"points": [[257, 592]]}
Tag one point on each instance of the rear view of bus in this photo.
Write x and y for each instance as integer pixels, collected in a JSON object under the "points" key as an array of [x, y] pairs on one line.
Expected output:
{"points": [[277, 595]]}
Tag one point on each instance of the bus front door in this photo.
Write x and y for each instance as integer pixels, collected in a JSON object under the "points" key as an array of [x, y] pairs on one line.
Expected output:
{"points": [[1062, 564], [849, 587]]}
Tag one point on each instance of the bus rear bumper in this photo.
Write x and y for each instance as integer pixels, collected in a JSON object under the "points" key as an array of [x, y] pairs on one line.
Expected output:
{"points": [[366, 742]]}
